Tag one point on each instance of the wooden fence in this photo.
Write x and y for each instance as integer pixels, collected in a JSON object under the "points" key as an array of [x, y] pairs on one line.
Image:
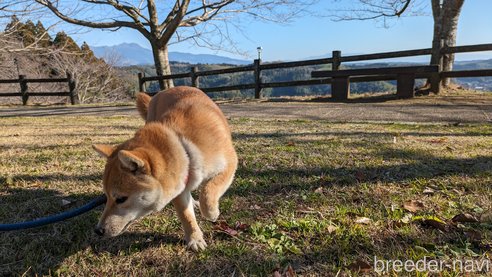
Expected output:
{"points": [[25, 93], [336, 60]]}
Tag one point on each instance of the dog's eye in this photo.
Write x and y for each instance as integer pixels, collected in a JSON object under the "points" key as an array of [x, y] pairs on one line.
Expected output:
{"points": [[120, 200]]}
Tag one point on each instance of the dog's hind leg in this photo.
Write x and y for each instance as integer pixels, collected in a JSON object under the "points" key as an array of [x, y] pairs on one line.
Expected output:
{"points": [[184, 208], [214, 189]]}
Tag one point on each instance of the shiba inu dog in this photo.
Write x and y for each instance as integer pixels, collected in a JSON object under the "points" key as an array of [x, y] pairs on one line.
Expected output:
{"points": [[185, 144]]}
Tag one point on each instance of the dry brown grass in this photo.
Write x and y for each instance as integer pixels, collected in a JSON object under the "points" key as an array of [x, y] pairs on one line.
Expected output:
{"points": [[301, 187]]}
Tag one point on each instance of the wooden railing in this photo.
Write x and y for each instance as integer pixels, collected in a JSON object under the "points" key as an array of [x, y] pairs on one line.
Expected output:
{"points": [[336, 60], [24, 92]]}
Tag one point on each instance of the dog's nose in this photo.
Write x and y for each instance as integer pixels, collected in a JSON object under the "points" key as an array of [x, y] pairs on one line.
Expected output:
{"points": [[99, 231]]}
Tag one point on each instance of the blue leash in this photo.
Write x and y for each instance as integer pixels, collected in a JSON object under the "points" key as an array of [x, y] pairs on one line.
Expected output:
{"points": [[54, 218]]}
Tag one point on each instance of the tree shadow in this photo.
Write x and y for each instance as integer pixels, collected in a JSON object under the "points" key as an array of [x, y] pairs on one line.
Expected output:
{"points": [[326, 99], [38, 249], [67, 111], [43, 250], [416, 164]]}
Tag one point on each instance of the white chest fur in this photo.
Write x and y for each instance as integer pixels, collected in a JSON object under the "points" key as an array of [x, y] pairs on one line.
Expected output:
{"points": [[198, 171]]}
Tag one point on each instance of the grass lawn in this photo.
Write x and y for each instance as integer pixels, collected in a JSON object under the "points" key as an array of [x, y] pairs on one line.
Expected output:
{"points": [[310, 197]]}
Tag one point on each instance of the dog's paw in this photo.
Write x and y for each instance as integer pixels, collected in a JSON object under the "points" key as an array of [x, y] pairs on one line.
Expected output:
{"points": [[196, 243]]}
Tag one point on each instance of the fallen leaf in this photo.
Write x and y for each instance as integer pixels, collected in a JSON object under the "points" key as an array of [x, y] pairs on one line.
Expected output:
{"points": [[421, 249], [277, 274], [291, 143], [290, 272], [413, 206], [464, 218], [360, 265], [241, 226], [295, 250], [438, 224], [319, 190], [65, 202], [406, 218], [363, 220], [331, 228], [428, 191], [225, 228], [255, 207]]}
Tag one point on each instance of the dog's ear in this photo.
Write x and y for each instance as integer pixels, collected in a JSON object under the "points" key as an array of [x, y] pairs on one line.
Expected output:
{"points": [[131, 161], [103, 150]]}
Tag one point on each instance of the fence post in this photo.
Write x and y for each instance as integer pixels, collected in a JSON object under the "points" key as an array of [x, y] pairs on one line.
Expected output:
{"points": [[23, 87], [404, 85], [335, 55], [340, 88], [435, 81], [141, 82], [72, 86], [194, 78], [257, 71]]}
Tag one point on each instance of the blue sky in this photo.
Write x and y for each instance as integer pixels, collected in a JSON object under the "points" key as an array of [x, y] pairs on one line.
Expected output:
{"points": [[313, 36]]}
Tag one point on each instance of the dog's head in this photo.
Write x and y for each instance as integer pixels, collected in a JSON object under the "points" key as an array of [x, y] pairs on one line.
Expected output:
{"points": [[131, 190]]}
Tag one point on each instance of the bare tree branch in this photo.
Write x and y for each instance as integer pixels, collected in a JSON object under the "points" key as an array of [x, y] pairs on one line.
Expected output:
{"points": [[179, 19]]}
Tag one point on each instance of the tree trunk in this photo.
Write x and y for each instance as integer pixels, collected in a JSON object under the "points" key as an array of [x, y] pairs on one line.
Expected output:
{"points": [[436, 47], [436, 37], [162, 67], [451, 10]]}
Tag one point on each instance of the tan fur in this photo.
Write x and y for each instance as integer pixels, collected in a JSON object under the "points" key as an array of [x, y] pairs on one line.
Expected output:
{"points": [[143, 100], [185, 144]]}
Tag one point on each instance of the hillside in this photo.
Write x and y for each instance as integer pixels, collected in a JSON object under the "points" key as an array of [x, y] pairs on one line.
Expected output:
{"points": [[303, 73], [28, 49]]}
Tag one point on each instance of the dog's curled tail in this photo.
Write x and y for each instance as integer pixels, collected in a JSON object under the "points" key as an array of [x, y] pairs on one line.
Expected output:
{"points": [[143, 100]]}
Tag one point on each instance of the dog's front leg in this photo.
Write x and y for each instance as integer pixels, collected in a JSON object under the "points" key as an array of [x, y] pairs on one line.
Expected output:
{"points": [[184, 208]]}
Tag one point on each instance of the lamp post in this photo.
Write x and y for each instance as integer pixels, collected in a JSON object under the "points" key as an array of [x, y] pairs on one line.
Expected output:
{"points": [[257, 72]]}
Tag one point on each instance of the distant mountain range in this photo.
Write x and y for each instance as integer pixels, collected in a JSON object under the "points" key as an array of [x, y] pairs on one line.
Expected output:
{"points": [[133, 54]]}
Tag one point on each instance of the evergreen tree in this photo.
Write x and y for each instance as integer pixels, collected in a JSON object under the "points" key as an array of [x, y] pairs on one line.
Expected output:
{"points": [[87, 53], [28, 33], [13, 24], [45, 39], [65, 42]]}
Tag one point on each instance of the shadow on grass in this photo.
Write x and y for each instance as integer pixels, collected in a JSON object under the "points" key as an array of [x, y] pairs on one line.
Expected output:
{"points": [[38, 250], [417, 165], [328, 99], [41, 250], [67, 111], [54, 177], [44, 249], [357, 134]]}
